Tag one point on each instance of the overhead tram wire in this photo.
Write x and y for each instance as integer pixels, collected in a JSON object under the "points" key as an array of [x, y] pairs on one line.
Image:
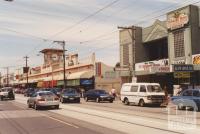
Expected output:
{"points": [[77, 23], [22, 33], [114, 31], [86, 18], [137, 23]]}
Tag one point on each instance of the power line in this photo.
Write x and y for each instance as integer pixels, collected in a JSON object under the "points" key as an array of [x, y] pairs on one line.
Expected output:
{"points": [[86, 18], [114, 31]]}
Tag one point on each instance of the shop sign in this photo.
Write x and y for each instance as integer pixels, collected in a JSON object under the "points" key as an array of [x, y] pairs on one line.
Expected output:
{"points": [[177, 21], [160, 69], [182, 75], [146, 66], [183, 68], [86, 82], [196, 59]]}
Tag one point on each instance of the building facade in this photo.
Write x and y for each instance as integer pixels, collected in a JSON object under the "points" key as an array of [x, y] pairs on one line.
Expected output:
{"points": [[168, 51], [81, 74]]}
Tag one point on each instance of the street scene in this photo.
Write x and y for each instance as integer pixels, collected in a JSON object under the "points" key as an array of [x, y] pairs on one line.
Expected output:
{"points": [[99, 67]]}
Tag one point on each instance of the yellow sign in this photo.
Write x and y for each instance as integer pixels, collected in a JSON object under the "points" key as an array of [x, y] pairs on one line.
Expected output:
{"points": [[182, 75], [196, 59]]}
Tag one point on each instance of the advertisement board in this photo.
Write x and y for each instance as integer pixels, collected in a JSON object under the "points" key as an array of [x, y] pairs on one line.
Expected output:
{"points": [[196, 59]]}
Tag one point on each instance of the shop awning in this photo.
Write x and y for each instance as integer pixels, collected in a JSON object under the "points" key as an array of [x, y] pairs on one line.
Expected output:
{"points": [[60, 83], [40, 84], [82, 74]]}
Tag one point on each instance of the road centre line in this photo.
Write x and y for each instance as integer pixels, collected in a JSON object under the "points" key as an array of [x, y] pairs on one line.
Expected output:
{"points": [[62, 122]]}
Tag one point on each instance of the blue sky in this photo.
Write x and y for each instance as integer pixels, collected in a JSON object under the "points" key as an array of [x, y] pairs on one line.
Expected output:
{"points": [[44, 18]]}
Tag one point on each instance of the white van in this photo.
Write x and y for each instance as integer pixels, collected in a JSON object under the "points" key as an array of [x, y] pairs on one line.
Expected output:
{"points": [[142, 93]]}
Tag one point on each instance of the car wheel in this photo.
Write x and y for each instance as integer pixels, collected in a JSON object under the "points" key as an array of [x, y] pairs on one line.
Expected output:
{"points": [[57, 106], [180, 106], [36, 106], [126, 101], [1, 98], [111, 101], [29, 105], [141, 103], [98, 100]]}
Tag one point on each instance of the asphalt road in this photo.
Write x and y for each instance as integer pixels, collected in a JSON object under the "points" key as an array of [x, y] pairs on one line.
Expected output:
{"points": [[122, 118], [16, 118]]}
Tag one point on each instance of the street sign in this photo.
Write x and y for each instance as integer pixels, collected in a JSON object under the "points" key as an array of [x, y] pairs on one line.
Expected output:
{"points": [[183, 68], [182, 75]]}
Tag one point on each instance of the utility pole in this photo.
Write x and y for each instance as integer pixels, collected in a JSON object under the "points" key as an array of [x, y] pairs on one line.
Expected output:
{"points": [[26, 69], [0, 79], [132, 35], [7, 76], [62, 43]]}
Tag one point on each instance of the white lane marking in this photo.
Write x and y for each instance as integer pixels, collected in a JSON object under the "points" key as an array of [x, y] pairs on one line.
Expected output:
{"points": [[62, 122]]}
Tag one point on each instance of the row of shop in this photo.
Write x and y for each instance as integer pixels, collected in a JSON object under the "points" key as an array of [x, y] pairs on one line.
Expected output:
{"points": [[85, 83]]}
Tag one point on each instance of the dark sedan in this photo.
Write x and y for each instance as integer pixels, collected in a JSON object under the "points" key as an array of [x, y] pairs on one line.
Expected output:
{"points": [[29, 92], [187, 99], [98, 95], [69, 95]]}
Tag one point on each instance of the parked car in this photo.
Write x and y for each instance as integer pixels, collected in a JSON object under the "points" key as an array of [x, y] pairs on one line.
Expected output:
{"points": [[142, 93], [56, 91], [189, 98], [17, 90], [29, 91], [70, 95], [7, 93], [43, 99], [98, 95]]}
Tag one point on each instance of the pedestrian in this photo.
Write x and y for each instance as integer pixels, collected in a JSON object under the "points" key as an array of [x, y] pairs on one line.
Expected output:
{"points": [[165, 103], [113, 92]]}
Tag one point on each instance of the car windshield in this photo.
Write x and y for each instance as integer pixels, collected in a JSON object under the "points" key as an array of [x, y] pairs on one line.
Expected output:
{"points": [[102, 92], [6, 89], [45, 93], [154, 88], [70, 91]]}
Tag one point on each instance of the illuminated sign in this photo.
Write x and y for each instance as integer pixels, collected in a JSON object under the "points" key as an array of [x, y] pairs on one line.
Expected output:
{"points": [[177, 21]]}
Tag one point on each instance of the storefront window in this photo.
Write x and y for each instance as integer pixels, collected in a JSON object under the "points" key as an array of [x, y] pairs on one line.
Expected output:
{"points": [[179, 50]]}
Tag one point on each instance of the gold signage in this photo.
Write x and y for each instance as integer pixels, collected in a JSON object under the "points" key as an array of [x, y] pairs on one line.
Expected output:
{"points": [[177, 21], [196, 59], [182, 75]]}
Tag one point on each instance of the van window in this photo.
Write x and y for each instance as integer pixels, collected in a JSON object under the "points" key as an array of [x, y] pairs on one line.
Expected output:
{"points": [[196, 93], [134, 88], [154, 88], [142, 88], [126, 88]]}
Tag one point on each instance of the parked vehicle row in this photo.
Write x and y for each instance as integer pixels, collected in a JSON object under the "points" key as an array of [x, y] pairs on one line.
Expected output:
{"points": [[52, 97], [141, 94]]}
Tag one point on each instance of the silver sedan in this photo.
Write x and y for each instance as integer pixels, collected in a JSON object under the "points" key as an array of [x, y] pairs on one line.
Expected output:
{"points": [[43, 99]]}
